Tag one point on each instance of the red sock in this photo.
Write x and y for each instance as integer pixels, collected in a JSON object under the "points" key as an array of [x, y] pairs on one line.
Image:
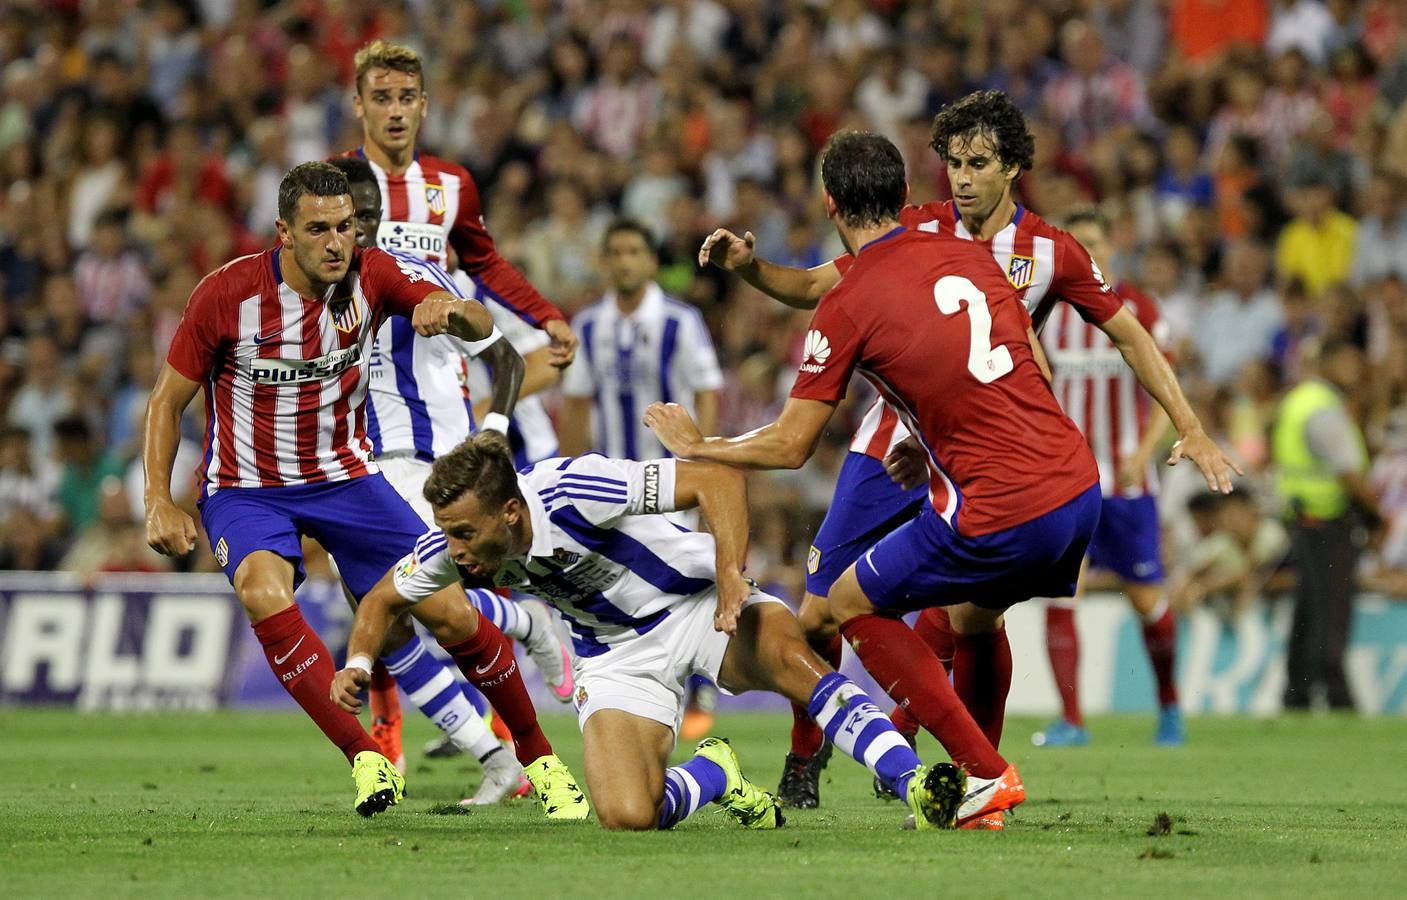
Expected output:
{"points": [[1160, 637], [897, 657], [1062, 643], [303, 666], [501, 681], [806, 735], [937, 632], [982, 679], [385, 699]]}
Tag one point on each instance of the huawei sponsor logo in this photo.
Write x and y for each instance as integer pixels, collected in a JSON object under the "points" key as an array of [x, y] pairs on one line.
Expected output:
{"points": [[816, 352]]}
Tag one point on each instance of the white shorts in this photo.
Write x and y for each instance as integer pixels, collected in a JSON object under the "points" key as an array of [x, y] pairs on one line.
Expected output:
{"points": [[646, 676], [408, 475]]}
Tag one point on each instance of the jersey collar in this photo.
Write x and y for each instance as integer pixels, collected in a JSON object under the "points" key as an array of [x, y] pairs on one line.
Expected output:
{"points": [[649, 308], [537, 514], [893, 232]]}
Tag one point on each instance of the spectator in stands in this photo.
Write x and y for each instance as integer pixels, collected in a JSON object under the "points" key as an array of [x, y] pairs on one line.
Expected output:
{"points": [[1237, 560], [29, 520], [1239, 322], [1317, 246], [86, 463]]}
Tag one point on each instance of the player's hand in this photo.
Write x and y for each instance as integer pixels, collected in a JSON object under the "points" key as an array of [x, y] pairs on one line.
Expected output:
{"points": [[434, 315], [346, 685], [907, 465], [1216, 466], [563, 346], [733, 591], [170, 531], [673, 425], [726, 250]]}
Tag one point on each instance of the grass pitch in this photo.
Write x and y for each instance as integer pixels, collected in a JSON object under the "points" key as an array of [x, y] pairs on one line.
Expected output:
{"points": [[243, 804]]}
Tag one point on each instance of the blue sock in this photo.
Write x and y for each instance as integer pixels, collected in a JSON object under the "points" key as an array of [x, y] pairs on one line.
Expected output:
{"points": [[854, 724], [432, 687], [505, 613], [689, 786]]}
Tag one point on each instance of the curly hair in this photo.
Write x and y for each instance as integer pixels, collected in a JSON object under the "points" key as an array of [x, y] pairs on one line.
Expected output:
{"points": [[991, 113]]}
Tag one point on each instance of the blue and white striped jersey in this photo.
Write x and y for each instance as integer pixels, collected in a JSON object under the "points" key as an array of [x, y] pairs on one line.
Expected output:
{"points": [[661, 352], [419, 389], [530, 431], [601, 552]]}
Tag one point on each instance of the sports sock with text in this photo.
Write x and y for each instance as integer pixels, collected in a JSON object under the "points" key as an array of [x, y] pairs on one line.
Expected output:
{"points": [[861, 730], [688, 786], [431, 686], [303, 665], [894, 655], [486, 659]]}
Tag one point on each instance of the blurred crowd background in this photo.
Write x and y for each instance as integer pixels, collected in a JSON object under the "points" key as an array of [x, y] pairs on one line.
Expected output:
{"points": [[1250, 155]]}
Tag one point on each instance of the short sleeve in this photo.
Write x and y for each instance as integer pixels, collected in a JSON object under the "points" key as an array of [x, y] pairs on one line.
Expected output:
{"points": [[701, 371], [830, 354], [1079, 282], [426, 570], [196, 343], [395, 285], [604, 489]]}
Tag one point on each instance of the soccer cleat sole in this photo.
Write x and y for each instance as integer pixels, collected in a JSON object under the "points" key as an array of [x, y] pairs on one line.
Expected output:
{"points": [[378, 802], [944, 786]]}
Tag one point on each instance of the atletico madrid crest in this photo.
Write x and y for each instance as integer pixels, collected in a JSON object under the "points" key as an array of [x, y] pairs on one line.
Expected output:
{"points": [[435, 199], [346, 314], [1021, 271]]}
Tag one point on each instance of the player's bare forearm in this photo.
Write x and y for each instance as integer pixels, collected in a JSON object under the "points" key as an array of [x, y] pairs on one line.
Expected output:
{"points": [[706, 411], [784, 444], [574, 426], [161, 433], [1152, 370], [375, 613], [508, 370], [797, 288], [443, 313], [720, 493], [539, 373]]}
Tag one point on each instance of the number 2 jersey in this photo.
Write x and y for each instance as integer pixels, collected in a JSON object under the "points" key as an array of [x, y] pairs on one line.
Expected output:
{"points": [[943, 337], [601, 552]]}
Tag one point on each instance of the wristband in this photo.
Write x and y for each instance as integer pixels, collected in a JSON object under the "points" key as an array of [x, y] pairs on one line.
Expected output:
{"points": [[360, 661], [495, 422]]}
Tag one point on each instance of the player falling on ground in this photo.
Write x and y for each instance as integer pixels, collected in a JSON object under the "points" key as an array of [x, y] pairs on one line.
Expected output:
{"points": [[431, 210], [418, 407], [985, 142], [1124, 430], [1013, 488], [648, 604], [280, 340]]}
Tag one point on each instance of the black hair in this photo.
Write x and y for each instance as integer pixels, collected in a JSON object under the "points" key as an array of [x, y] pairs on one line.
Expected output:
{"points": [[318, 179], [626, 225], [72, 428], [864, 173], [356, 168], [991, 113], [1087, 215], [482, 465]]}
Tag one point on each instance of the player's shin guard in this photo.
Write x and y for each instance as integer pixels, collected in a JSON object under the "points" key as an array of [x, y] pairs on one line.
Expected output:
{"points": [[689, 786], [1062, 643], [856, 726], [894, 655], [303, 666], [806, 735], [982, 679], [434, 690], [1160, 638], [487, 660]]}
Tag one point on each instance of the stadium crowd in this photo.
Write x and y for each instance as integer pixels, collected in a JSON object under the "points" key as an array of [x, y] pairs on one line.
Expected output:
{"points": [[1249, 156]]}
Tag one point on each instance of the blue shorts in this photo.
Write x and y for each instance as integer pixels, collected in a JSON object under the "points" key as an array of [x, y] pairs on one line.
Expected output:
{"points": [[1128, 540], [362, 522], [927, 563], [866, 507]]}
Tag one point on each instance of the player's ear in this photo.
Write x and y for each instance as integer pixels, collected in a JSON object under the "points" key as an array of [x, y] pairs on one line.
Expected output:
{"points": [[830, 204], [285, 233]]}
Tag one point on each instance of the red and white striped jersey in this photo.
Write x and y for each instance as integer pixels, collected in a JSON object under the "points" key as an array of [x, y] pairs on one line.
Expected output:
{"points": [[286, 375], [1098, 390], [434, 207], [1043, 263]]}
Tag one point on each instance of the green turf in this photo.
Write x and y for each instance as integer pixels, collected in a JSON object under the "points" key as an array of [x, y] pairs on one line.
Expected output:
{"points": [[233, 804]]}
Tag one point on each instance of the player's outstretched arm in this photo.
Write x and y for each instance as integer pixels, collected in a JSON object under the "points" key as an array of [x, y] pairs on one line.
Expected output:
{"points": [[377, 610], [1151, 368], [169, 530], [797, 288], [443, 313], [784, 444], [508, 370], [720, 492]]}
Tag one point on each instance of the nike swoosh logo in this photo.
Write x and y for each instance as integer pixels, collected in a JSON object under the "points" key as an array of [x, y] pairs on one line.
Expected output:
{"points": [[279, 660], [265, 338], [479, 670], [974, 794]]}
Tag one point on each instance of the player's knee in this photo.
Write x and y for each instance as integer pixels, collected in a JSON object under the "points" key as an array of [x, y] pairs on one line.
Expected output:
{"points": [[262, 599], [815, 618], [628, 814], [847, 600]]}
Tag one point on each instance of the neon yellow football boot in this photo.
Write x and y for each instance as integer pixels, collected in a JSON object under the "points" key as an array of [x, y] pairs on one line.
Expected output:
{"points": [[935, 794], [749, 804], [556, 789], [379, 785]]}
